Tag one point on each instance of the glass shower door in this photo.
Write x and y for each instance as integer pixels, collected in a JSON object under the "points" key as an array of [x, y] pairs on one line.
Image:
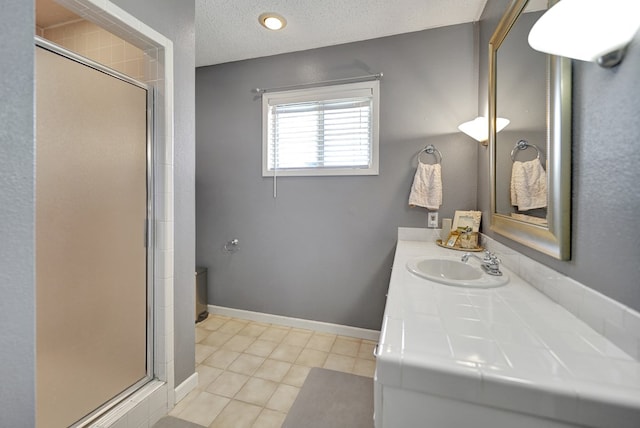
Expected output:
{"points": [[91, 257]]}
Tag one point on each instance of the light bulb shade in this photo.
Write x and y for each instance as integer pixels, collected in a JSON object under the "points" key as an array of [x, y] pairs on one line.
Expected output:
{"points": [[586, 29], [478, 128], [272, 21]]}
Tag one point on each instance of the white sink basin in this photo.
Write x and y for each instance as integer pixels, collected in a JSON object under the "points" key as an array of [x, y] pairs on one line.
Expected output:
{"points": [[450, 271]]}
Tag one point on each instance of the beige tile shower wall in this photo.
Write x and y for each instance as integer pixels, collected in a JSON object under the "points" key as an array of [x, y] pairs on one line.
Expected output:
{"points": [[87, 39]]}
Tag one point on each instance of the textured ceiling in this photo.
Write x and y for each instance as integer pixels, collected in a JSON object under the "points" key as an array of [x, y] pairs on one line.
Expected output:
{"points": [[228, 30]]}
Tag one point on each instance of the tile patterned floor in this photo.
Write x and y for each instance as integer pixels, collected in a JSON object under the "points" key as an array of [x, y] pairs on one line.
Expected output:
{"points": [[250, 373]]}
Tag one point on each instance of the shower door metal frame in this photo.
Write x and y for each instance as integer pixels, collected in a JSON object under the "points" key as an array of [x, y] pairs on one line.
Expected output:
{"points": [[148, 229]]}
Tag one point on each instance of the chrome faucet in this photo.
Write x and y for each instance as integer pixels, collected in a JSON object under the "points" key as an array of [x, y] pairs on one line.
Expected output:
{"points": [[465, 257], [490, 263]]}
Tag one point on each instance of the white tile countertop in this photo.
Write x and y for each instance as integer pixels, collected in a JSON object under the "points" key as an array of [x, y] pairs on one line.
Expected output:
{"points": [[509, 347]]}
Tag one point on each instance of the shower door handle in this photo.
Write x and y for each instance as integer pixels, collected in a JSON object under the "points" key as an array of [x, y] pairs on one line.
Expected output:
{"points": [[145, 234]]}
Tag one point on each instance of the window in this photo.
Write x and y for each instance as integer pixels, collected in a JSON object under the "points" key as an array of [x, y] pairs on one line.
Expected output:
{"points": [[331, 130]]}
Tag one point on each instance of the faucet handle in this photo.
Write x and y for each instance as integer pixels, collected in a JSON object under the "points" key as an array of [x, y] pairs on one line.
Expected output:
{"points": [[491, 258]]}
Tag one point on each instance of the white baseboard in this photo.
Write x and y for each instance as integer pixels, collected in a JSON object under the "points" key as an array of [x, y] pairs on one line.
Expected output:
{"points": [[343, 330], [186, 387]]}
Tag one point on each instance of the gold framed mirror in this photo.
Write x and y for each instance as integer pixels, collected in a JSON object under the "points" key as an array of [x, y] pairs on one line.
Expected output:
{"points": [[533, 90]]}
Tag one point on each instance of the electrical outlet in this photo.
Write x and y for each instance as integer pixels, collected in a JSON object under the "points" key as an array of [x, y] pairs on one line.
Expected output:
{"points": [[433, 220]]}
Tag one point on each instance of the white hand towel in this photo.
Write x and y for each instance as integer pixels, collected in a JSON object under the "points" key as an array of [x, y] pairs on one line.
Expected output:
{"points": [[426, 190], [528, 185]]}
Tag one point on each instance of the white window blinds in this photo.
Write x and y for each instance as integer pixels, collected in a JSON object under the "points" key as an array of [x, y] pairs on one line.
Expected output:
{"points": [[322, 131]]}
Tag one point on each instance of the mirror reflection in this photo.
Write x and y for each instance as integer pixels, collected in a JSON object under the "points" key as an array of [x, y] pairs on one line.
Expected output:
{"points": [[521, 149], [530, 159]]}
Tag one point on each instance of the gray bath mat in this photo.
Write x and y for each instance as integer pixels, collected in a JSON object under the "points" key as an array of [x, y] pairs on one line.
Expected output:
{"points": [[331, 399], [171, 422]]}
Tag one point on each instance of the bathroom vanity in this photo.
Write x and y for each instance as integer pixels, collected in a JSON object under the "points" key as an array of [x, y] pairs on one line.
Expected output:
{"points": [[498, 357]]}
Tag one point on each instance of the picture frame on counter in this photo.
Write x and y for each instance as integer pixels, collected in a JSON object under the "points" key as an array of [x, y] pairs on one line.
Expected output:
{"points": [[467, 219]]}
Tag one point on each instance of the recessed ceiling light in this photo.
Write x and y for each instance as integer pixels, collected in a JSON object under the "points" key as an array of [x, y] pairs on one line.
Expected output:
{"points": [[272, 21]]}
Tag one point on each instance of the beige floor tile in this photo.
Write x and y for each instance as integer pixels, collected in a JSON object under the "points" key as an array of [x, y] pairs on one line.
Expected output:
{"points": [[250, 373], [283, 398], [204, 408], [256, 391], [269, 419], [297, 337], [321, 341], [366, 350], [238, 343], [203, 352], [212, 323], [237, 415], [201, 333], [364, 367], [253, 329], [284, 352], [182, 404], [216, 338], [233, 326], [246, 364], [311, 358], [206, 375], [220, 316], [261, 348], [274, 333], [227, 384], [340, 363], [273, 370], [221, 359], [296, 375], [346, 346]]}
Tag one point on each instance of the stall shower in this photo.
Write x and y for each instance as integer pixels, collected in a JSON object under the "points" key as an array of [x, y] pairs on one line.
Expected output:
{"points": [[93, 157]]}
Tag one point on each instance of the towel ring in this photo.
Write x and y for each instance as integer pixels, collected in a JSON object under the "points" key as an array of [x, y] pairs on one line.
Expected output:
{"points": [[431, 150], [524, 145]]}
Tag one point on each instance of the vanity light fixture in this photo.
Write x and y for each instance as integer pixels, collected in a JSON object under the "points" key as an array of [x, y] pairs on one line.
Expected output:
{"points": [[478, 128], [272, 21], [588, 30]]}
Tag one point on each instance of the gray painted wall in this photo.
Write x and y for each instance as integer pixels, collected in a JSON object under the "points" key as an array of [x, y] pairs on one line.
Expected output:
{"points": [[323, 249], [606, 196], [175, 20], [17, 234]]}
